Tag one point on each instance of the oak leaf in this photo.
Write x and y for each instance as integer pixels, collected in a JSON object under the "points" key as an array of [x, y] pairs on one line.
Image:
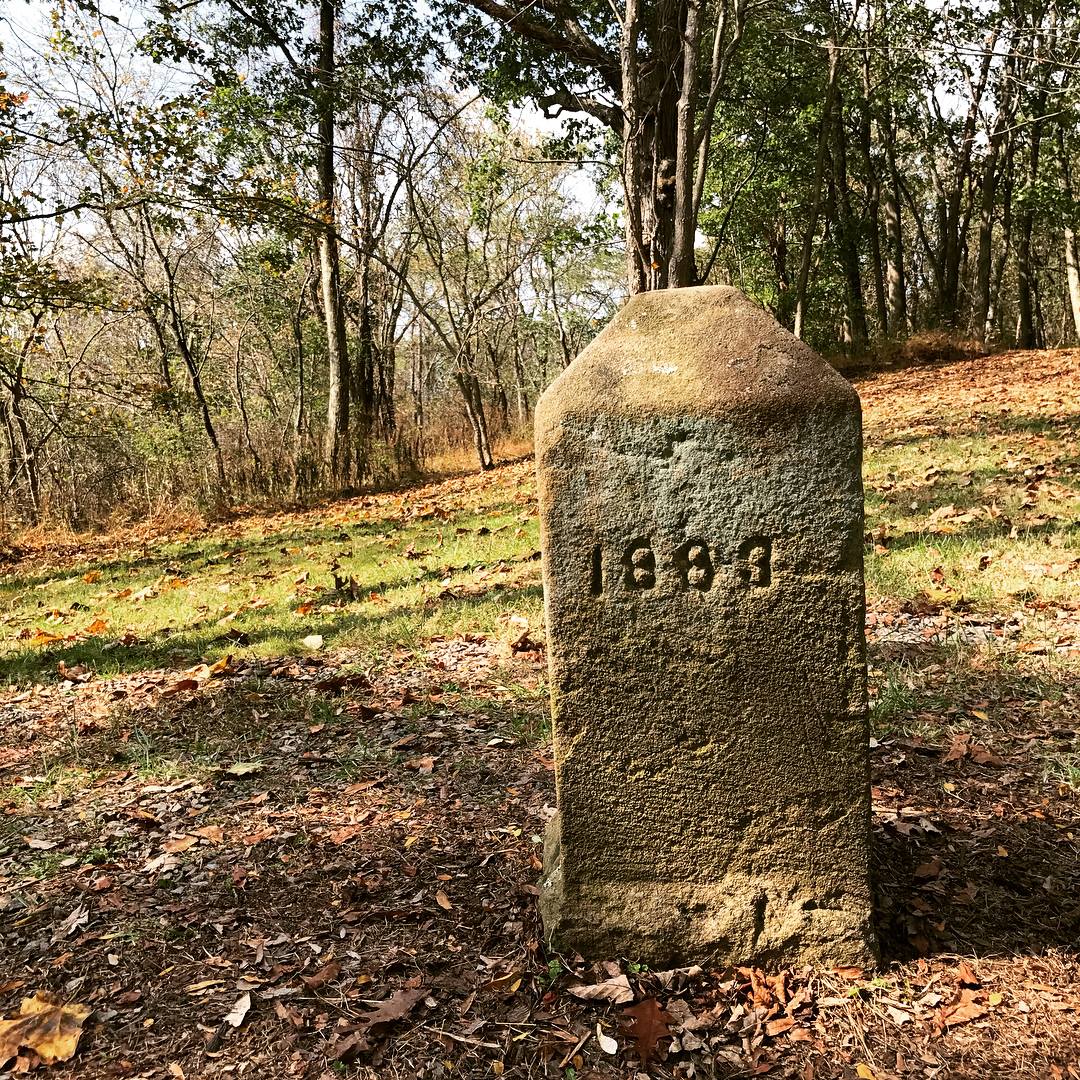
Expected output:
{"points": [[350, 1044], [648, 1024], [45, 1025]]}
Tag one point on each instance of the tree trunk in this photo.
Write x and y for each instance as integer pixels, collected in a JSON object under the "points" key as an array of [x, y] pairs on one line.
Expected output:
{"points": [[993, 314], [1027, 332], [873, 186], [1072, 252], [471, 396], [984, 259], [954, 219], [894, 238], [816, 192], [683, 263], [848, 240], [335, 448]]}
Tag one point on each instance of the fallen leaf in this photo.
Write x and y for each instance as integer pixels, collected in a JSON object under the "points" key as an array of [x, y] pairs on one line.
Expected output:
{"points": [[607, 1044], [324, 975], [354, 1041], [900, 1018], [181, 686], [239, 1011], [44, 1025], [927, 870], [965, 1009], [648, 1024], [615, 991], [179, 843], [245, 768], [967, 976], [779, 1025], [395, 1007]]}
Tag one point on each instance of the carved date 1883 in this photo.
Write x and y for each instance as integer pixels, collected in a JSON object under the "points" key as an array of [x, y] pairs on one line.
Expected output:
{"points": [[695, 565]]}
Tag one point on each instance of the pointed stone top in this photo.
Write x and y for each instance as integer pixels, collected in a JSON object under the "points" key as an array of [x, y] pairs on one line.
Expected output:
{"points": [[705, 351]]}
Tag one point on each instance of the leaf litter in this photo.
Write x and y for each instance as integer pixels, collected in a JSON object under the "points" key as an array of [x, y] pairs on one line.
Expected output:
{"points": [[367, 895]]}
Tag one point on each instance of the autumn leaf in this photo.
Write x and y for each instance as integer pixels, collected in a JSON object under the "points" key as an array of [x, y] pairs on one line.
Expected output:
{"points": [[443, 901], [324, 975], [779, 1025], [351, 1043], [967, 976], [245, 768], [179, 843], [236, 1016], [44, 1025], [648, 1024], [181, 686], [615, 991], [928, 870], [963, 1010], [395, 1007]]}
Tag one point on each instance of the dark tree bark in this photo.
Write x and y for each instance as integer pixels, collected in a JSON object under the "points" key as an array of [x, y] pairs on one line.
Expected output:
{"points": [[848, 234], [816, 192]]}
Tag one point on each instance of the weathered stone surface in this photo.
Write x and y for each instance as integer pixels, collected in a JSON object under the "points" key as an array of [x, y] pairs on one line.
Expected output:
{"points": [[701, 523]]}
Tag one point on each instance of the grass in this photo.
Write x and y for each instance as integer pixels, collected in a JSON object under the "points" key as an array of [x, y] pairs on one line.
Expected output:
{"points": [[260, 588], [430, 772]]}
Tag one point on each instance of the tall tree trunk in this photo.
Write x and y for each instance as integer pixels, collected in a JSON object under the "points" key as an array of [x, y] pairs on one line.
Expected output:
{"points": [[894, 237], [473, 400], [336, 459], [955, 219], [806, 262], [984, 259], [1027, 333], [1072, 252], [848, 240], [683, 264], [363, 374], [873, 183], [993, 314]]}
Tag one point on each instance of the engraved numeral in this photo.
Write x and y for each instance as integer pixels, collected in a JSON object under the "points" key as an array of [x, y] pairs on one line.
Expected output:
{"points": [[639, 563], [694, 565], [753, 563]]}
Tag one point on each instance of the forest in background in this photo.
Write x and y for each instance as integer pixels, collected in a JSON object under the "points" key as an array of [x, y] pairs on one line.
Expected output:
{"points": [[255, 250]]}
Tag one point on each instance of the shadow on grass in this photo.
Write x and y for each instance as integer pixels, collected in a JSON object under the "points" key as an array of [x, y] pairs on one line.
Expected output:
{"points": [[982, 535], [988, 426], [979, 858], [179, 649]]}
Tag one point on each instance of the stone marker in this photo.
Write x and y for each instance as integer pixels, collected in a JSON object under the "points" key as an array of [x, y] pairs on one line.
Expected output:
{"points": [[701, 524]]}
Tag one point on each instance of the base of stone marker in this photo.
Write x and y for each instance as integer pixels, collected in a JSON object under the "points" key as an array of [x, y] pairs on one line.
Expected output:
{"points": [[740, 920]]}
